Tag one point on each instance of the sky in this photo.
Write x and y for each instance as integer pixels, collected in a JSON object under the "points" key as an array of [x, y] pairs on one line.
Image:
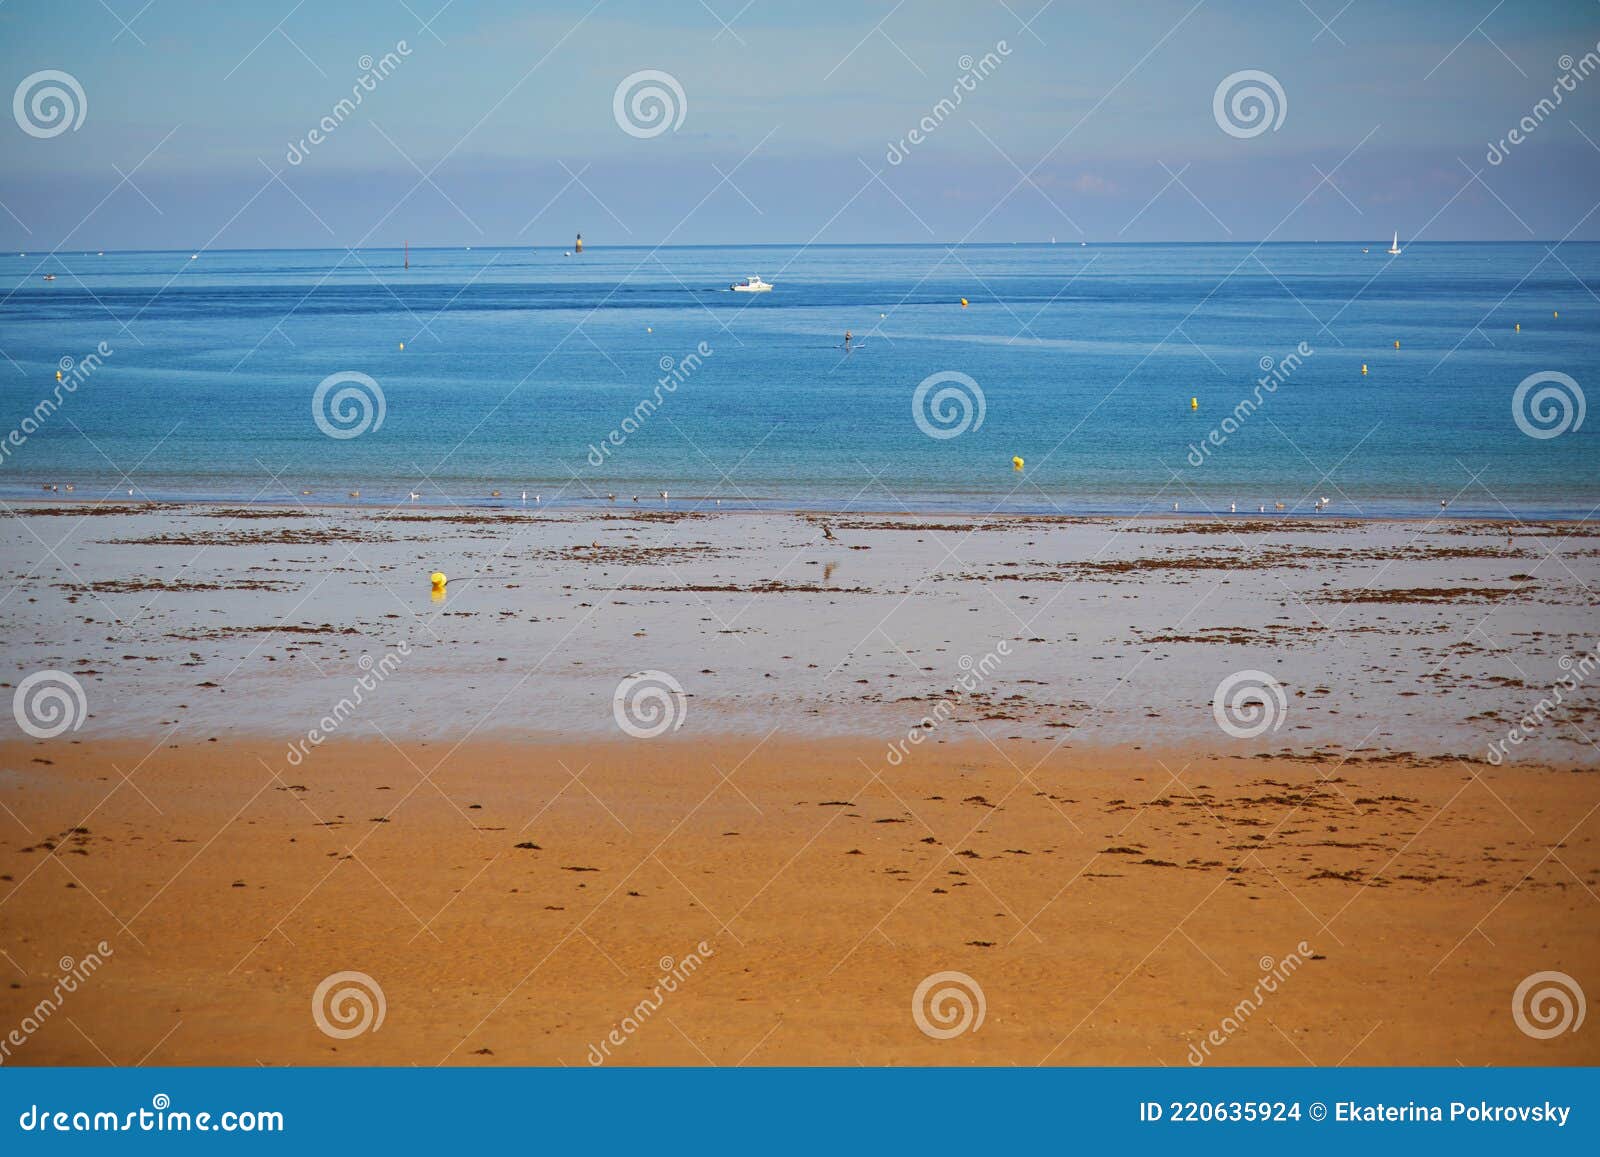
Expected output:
{"points": [[499, 123]]}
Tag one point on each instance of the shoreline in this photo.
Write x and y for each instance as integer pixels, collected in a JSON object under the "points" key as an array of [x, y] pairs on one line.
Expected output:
{"points": [[714, 505]]}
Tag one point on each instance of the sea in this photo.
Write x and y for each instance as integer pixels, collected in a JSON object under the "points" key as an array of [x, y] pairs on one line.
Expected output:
{"points": [[1330, 378]]}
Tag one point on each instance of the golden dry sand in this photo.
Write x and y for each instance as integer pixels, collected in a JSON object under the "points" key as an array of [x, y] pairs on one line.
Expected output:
{"points": [[1112, 906]]}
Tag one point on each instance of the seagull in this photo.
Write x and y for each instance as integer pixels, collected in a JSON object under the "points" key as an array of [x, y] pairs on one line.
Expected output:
{"points": [[355, 494], [1277, 506], [610, 497], [663, 496], [1174, 506], [536, 498], [1262, 509], [70, 488], [1443, 502], [1233, 508], [415, 496], [494, 494], [636, 498], [827, 533]]}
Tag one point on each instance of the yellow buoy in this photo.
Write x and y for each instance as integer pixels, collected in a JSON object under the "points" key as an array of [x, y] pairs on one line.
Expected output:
{"points": [[647, 329], [402, 345], [1016, 463], [1363, 369], [438, 579], [963, 303], [1555, 313], [436, 595], [1194, 403], [58, 375], [1519, 327], [1397, 343]]}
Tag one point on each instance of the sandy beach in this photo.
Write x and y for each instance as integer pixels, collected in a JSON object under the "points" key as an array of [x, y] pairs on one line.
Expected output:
{"points": [[871, 751]]}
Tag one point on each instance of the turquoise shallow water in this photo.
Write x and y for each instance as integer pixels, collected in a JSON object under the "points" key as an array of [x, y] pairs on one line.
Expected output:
{"points": [[518, 364]]}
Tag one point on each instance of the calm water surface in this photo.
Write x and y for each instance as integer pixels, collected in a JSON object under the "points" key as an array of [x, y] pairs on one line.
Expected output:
{"points": [[519, 364]]}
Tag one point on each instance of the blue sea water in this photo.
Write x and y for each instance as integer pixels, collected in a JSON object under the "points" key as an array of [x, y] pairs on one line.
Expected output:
{"points": [[519, 364]]}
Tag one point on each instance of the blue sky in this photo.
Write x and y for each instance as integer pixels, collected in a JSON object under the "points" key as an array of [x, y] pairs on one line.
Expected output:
{"points": [[497, 125]]}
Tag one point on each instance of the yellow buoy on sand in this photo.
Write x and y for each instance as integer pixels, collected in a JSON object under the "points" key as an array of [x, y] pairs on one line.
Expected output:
{"points": [[1016, 463], [438, 580]]}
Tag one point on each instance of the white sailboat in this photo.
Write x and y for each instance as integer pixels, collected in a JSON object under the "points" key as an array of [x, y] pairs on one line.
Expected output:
{"points": [[1394, 246]]}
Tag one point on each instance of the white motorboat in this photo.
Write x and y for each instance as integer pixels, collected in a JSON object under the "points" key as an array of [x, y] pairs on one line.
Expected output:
{"points": [[751, 285]]}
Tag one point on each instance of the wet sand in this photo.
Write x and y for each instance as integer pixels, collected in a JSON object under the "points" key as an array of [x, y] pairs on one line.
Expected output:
{"points": [[1430, 636], [898, 747]]}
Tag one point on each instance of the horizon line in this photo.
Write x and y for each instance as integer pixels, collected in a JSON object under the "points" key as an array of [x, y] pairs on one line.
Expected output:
{"points": [[1079, 244]]}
